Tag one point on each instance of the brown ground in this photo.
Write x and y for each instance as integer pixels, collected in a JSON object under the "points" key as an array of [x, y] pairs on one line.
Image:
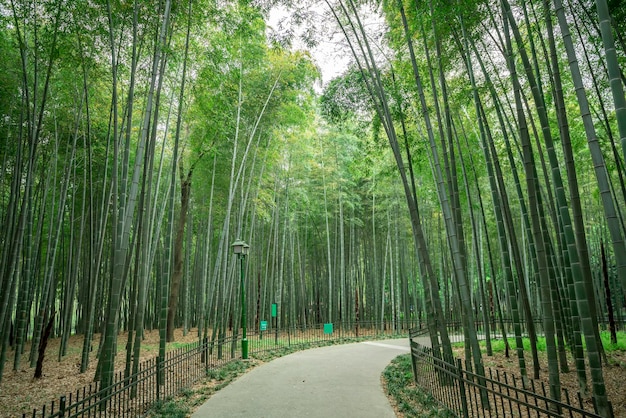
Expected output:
{"points": [[614, 375], [20, 392]]}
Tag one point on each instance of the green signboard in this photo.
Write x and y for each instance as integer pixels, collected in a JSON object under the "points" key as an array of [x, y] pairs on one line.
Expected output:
{"points": [[328, 328], [263, 326], [274, 310]]}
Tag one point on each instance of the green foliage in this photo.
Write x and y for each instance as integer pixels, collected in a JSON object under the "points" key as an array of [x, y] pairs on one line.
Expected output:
{"points": [[498, 344], [170, 409], [245, 90], [410, 400], [609, 347], [346, 97], [229, 371], [179, 407], [617, 10], [9, 82]]}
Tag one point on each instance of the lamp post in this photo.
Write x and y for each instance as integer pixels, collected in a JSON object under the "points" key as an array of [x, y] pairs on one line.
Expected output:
{"points": [[241, 249]]}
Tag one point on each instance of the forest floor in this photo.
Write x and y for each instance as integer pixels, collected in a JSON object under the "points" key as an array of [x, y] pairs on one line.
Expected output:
{"points": [[614, 374], [21, 393]]}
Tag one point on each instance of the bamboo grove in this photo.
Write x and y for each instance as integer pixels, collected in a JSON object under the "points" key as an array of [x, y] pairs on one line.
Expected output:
{"points": [[467, 166]]}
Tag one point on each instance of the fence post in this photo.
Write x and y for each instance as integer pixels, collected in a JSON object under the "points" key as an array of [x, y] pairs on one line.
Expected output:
{"points": [[413, 360], [158, 377], [62, 407], [459, 373]]}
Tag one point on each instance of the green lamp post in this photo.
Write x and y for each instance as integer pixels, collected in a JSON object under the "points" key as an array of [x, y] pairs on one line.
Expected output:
{"points": [[241, 249]]}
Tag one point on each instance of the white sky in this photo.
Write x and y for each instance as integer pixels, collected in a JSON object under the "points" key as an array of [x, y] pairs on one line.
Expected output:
{"points": [[330, 54]]}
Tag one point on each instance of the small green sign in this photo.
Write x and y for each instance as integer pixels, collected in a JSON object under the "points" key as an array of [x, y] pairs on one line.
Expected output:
{"points": [[263, 326], [328, 328], [274, 310]]}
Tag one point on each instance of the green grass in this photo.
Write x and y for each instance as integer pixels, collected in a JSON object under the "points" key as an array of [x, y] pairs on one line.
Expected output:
{"points": [[175, 408], [170, 409], [497, 345], [605, 336], [229, 371], [409, 399]]}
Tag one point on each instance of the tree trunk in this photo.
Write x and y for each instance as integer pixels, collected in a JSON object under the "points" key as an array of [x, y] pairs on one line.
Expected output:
{"points": [[43, 343], [177, 273]]}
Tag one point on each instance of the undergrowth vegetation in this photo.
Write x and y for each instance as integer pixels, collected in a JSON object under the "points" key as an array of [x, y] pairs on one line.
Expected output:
{"points": [[408, 399], [498, 345]]}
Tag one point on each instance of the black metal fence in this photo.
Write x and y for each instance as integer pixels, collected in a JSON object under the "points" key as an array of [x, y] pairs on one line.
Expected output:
{"points": [[133, 396], [497, 394]]}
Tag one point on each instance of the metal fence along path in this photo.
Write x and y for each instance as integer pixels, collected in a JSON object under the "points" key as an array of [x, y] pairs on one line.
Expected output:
{"points": [[497, 394]]}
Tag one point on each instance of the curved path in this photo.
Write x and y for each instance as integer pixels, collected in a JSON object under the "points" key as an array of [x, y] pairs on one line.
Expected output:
{"points": [[335, 381]]}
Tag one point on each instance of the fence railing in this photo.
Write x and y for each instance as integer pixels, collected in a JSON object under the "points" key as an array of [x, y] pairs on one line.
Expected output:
{"points": [[497, 394], [134, 395]]}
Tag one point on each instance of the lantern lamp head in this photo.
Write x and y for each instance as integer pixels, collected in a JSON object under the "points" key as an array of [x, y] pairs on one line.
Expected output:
{"points": [[240, 247]]}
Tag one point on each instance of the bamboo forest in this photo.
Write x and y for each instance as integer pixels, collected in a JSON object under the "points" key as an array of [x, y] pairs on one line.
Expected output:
{"points": [[452, 162]]}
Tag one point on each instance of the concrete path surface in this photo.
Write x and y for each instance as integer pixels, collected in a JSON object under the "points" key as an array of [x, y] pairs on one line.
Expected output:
{"points": [[326, 382]]}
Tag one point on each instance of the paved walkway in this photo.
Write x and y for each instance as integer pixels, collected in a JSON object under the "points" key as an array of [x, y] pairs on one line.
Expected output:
{"points": [[327, 382]]}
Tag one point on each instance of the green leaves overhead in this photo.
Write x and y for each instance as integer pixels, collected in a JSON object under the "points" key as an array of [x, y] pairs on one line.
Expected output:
{"points": [[345, 98]]}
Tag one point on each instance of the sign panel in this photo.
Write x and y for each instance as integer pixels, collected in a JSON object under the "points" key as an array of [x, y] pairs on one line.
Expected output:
{"points": [[263, 326], [274, 309], [328, 328]]}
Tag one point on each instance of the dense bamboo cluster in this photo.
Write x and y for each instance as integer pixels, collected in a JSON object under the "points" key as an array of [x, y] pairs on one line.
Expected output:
{"points": [[486, 89]]}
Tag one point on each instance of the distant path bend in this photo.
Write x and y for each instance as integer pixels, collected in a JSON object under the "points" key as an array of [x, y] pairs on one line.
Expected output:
{"points": [[335, 381]]}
